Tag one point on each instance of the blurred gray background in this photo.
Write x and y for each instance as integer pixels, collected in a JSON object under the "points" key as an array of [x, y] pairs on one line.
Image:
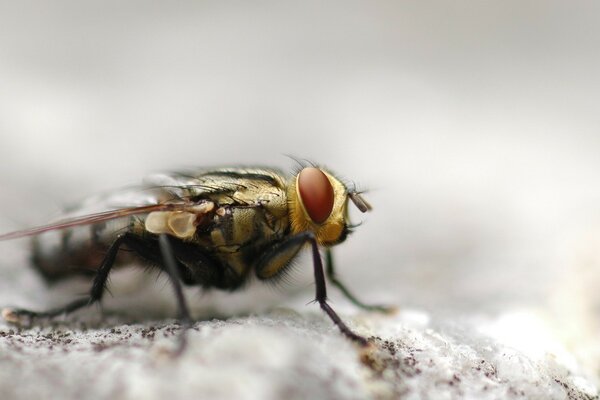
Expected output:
{"points": [[474, 125]]}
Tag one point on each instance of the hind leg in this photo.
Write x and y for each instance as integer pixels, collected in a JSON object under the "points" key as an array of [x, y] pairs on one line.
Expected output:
{"points": [[96, 292]]}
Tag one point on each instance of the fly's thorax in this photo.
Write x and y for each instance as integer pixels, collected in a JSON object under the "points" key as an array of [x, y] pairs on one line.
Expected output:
{"points": [[251, 207], [236, 227], [233, 227], [317, 202], [239, 233]]}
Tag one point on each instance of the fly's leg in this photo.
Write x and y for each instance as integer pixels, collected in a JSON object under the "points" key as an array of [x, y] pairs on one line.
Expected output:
{"points": [[99, 283], [171, 267], [321, 294], [96, 292], [278, 258], [334, 280]]}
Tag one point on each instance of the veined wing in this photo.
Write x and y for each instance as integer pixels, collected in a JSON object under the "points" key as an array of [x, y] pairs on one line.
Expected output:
{"points": [[178, 186], [176, 191], [96, 218]]}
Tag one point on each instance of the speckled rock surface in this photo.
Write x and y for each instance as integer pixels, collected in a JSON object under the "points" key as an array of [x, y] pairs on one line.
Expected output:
{"points": [[280, 354], [284, 353]]}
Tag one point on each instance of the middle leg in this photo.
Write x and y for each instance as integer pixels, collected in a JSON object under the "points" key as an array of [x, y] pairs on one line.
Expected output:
{"points": [[172, 269], [331, 275]]}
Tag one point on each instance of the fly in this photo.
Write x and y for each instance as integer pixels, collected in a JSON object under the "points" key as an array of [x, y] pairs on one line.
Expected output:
{"points": [[207, 228]]}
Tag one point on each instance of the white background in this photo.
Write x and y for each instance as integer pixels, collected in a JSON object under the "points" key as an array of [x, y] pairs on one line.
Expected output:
{"points": [[474, 125]]}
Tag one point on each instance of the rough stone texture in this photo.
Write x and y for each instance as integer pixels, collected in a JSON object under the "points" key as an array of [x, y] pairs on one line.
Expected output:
{"points": [[275, 355], [281, 352]]}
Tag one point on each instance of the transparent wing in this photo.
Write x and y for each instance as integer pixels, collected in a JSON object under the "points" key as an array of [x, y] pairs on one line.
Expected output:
{"points": [[159, 192], [95, 218]]}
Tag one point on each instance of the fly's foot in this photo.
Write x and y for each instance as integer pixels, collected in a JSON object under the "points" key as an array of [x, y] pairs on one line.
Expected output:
{"points": [[17, 316], [9, 315], [356, 338], [390, 310], [182, 340], [359, 340]]}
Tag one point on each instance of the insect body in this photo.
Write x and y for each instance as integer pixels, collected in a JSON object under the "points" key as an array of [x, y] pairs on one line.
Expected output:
{"points": [[210, 228]]}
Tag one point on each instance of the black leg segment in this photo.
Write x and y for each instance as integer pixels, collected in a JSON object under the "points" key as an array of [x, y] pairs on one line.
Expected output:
{"points": [[321, 295], [281, 254], [171, 267], [96, 292]]}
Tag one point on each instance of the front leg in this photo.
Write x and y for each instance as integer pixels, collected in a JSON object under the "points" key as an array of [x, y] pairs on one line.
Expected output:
{"points": [[334, 280], [278, 257]]}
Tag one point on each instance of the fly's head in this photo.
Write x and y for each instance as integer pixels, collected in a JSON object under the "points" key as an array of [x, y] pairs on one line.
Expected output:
{"points": [[318, 202]]}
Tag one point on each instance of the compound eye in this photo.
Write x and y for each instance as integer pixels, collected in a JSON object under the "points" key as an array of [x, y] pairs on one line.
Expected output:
{"points": [[316, 193]]}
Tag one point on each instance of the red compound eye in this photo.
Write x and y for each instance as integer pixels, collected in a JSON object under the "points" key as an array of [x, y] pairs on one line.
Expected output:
{"points": [[316, 193]]}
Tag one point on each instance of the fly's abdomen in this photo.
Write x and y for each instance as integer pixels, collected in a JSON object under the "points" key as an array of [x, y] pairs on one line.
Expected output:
{"points": [[76, 251]]}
